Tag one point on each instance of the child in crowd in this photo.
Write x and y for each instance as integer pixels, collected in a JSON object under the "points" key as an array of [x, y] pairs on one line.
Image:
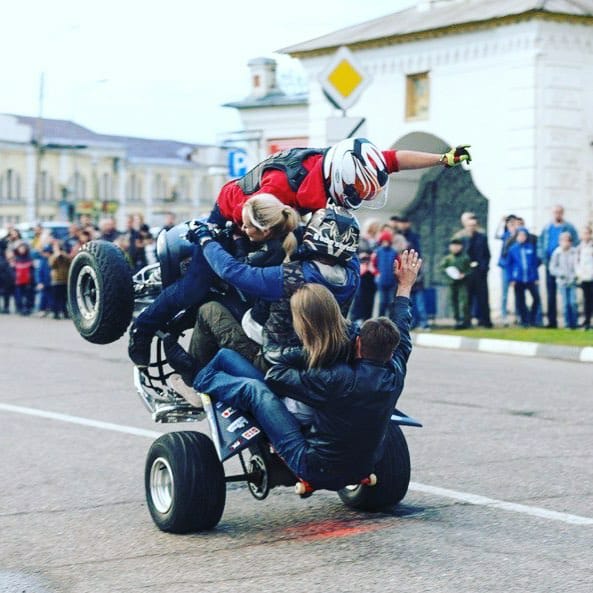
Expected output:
{"points": [[456, 267], [585, 272], [24, 278], [563, 266], [43, 281], [383, 259], [59, 263], [522, 264], [506, 233]]}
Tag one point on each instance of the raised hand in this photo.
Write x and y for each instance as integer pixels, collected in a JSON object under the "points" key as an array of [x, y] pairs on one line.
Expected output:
{"points": [[406, 268]]}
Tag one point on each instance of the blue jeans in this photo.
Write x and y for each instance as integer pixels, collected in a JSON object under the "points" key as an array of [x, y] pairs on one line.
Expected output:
{"points": [[24, 298], [506, 280], [189, 290], [230, 378], [386, 300], [527, 316], [419, 316], [569, 302]]}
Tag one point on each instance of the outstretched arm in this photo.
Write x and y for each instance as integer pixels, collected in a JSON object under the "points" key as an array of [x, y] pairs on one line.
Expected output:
{"points": [[413, 159], [262, 282]]}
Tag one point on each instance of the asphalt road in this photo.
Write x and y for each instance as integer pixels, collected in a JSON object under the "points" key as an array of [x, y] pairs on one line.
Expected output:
{"points": [[501, 498]]}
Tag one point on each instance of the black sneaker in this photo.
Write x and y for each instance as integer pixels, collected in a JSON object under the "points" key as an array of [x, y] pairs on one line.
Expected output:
{"points": [[179, 360], [139, 347]]}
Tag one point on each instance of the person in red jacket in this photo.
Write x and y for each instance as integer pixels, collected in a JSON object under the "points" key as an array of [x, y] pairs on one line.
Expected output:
{"points": [[24, 295], [348, 174]]}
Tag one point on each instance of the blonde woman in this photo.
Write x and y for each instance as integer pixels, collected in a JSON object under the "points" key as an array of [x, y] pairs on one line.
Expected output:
{"points": [[264, 219]]}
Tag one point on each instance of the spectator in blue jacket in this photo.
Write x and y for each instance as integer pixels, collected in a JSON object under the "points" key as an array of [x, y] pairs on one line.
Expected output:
{"points": [[382, 259], [505, 232], [547, 243], [43, 282], [522, 263]]}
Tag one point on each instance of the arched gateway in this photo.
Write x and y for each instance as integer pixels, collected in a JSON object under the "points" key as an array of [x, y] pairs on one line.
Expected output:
{"points": [[434, 199]]}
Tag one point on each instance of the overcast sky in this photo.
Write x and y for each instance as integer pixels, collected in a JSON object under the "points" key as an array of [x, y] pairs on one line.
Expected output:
{"points": [[157, 69]]}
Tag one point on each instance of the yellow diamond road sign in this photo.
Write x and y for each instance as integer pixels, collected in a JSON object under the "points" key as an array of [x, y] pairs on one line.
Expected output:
{"points": [[344, 80]]}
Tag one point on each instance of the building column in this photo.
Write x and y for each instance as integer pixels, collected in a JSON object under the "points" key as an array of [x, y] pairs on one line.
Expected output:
{"points": [[196, 192], [149, 204], [30, 180], [120, 194]]}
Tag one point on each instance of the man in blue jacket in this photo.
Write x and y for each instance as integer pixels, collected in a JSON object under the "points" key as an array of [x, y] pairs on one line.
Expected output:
{"points": [[547, 243], [352, 403], [522, 264]]}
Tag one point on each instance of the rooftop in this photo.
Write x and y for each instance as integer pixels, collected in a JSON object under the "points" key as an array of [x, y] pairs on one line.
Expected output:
{"points": [[60, 131], [444, 16]]}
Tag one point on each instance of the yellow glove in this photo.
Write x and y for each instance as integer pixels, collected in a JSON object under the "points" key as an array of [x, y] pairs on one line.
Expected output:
{"points": [[456, 156]]}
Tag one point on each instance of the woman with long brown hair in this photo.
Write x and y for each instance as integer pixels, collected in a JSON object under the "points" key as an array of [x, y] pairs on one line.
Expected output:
{"points": [[319, 324]]}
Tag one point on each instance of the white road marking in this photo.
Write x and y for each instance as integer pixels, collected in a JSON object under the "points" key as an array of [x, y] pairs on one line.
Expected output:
{"points": [[82, 421], [467, 497], [476, 499]]}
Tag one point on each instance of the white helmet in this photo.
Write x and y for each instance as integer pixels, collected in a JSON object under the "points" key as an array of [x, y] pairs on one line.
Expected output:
{"points": [[354, 171]]}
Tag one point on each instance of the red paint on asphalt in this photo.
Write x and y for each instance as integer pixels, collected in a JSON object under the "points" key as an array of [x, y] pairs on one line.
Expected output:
{"points": [[331, 528]]}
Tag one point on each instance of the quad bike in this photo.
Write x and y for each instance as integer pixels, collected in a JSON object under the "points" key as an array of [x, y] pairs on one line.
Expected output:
{"points": [[185, 481]]}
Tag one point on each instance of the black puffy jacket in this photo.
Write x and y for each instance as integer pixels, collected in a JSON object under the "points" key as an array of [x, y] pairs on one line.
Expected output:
{"points": [[352, 405]]}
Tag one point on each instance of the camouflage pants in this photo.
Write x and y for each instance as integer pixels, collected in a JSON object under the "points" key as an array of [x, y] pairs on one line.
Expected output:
{"points": [[460, 302], [216, 328]]}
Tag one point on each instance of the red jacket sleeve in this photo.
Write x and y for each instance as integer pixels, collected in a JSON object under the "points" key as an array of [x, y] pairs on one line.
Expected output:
{"points": [[390, 157]]}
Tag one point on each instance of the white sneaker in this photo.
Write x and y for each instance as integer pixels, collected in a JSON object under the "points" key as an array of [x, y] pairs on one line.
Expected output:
{"points": [[189, 394]]}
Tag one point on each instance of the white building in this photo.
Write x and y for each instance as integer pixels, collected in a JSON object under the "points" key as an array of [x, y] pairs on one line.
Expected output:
{"points": [[512, 78], [56, 169]]}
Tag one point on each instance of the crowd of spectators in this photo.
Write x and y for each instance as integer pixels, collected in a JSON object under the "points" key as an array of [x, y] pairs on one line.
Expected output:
{"points": [[34, 269], [567, 257], [34, 272]]}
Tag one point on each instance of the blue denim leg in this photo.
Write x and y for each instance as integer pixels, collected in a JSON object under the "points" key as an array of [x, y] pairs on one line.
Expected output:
{"points": [[419, 316], [189, 290], [231, 362], [249, 393], [386, 301], [505, 294], [570, 306]]}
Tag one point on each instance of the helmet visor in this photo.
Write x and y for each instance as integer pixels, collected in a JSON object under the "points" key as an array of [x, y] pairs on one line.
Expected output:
{"points": [[378, 201]]}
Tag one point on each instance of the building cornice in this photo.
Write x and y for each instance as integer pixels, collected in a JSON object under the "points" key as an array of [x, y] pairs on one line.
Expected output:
{"points": [[472, 27]]}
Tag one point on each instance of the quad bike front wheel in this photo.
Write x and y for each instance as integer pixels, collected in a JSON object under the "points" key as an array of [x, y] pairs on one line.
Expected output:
{"points": [[100, 292], [184, 482], [393, 476]]}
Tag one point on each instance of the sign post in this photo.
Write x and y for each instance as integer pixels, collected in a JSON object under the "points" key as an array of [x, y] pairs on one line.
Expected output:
{"points": [[343, 82], [237, 162]]}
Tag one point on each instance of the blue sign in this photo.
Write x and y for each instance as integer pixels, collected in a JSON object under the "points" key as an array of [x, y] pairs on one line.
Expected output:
{"points": [[237, 162]]}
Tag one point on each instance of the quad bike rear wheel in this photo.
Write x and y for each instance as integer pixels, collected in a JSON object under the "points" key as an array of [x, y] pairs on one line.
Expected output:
{"points": [[184, 482], [393, 476], [100, 292]]}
